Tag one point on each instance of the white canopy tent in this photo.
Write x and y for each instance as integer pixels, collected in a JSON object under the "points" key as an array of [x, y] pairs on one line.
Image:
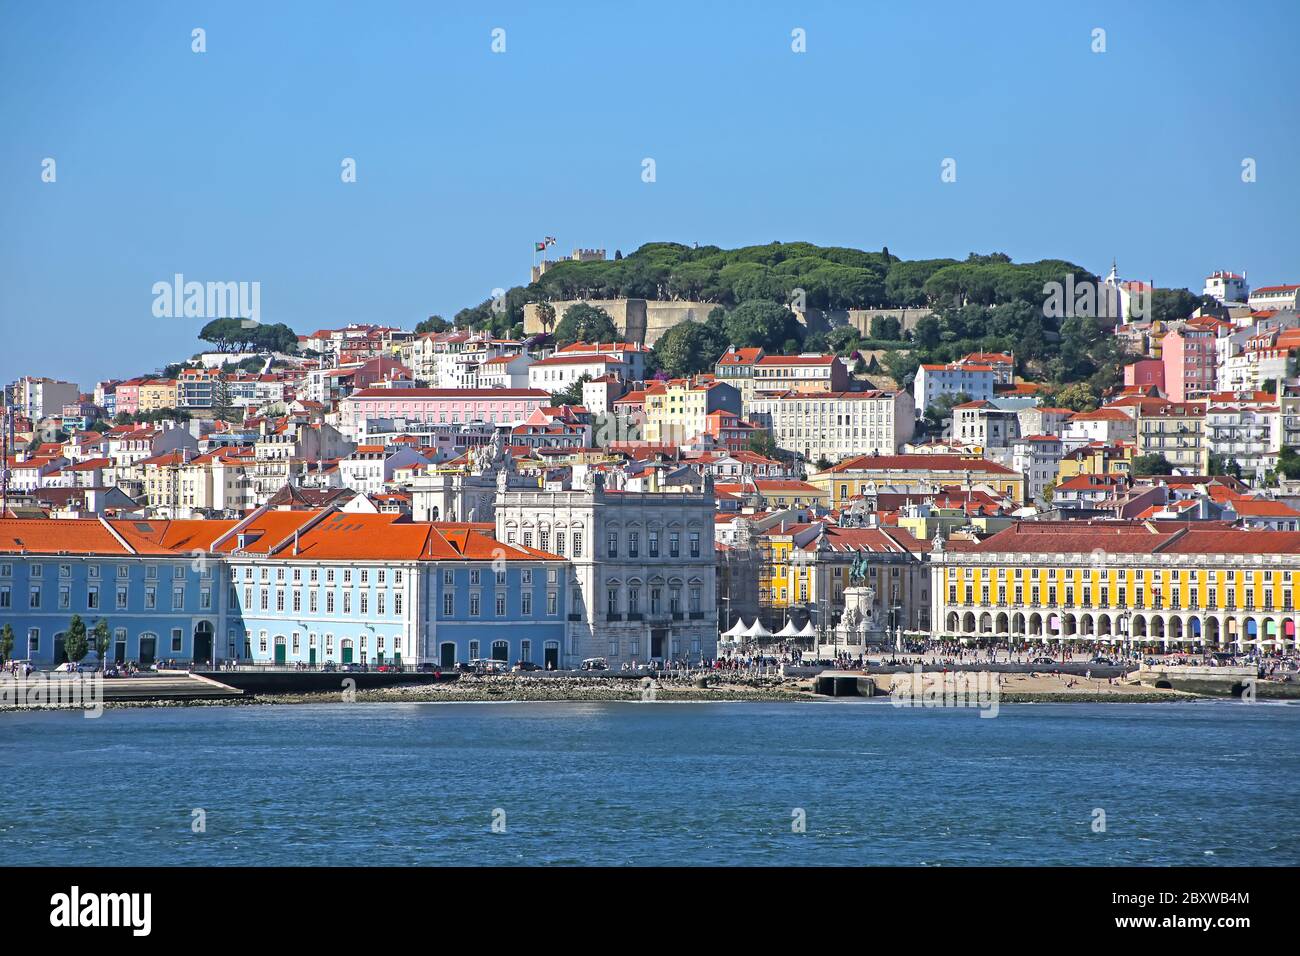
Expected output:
{"points": [[808, 630], [738, 630], [758, 630], [789, 630]]}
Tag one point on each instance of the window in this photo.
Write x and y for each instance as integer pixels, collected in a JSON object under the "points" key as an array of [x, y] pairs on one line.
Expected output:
{"points": [[448, 578], [397, 603], [633, 544], [653, 543], [526, 576], [577, 544], [380, 601], [178, 640], [448, 605], [150, 597], [501, 604], [526, 603], [65, 598], [612, 547], [473, 605], [695, 544], [6, 599], [474, 576], [347, 602], [365, 602], [552, 603], [633, 600], [674, 544], [92, 598]]}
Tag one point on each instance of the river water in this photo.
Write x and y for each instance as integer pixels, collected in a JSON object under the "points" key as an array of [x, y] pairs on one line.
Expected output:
{"points": [[1207, 783]]}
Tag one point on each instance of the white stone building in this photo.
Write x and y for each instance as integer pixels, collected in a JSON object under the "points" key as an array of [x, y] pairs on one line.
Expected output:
{"points": [[642, 565], [837, 425]]}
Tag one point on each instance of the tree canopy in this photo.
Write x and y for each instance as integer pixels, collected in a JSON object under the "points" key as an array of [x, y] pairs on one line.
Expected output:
{"points": [[690, 348], [232, 335], [759, 323], [585, 323], [1151, 465]]}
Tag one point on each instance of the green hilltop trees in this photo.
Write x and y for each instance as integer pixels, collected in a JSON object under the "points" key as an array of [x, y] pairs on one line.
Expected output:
{"points": [[585, 323], [232, 335], [690, 348], [984, 303]]}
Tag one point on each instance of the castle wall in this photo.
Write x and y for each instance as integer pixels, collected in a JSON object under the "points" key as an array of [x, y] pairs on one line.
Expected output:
{"points": [[643, 320]]}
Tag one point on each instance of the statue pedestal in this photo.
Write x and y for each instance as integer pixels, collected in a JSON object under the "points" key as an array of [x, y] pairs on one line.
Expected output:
{"points": [[858, 627]]}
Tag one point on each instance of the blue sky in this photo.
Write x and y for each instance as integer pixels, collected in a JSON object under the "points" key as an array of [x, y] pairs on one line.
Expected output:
{"points": [[225, 166]]}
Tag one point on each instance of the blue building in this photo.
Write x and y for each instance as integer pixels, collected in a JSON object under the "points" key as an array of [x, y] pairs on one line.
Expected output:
{"points": [[284, 587]]}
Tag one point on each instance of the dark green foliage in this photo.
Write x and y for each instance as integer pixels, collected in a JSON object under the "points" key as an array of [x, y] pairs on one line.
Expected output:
{"points": [[231, 335], [1151, 465], [585, 323], [692, 347]]}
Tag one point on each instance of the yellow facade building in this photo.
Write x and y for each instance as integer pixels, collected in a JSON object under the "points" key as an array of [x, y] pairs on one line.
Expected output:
{"points": [[157, 394], [1162, 585]]}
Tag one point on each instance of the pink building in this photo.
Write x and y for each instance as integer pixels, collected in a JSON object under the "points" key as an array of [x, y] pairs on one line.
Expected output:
{"points": [[1190, 357], [1145, 372], [127, 396], [498, 406]]}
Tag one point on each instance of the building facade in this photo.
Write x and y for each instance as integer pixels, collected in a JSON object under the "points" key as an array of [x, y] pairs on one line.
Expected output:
{"points": [[641, 564], [1167, 587]]}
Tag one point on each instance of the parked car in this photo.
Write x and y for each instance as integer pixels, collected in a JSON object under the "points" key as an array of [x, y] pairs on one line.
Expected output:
{"points": [[352, 668], [526, 666], [428, 668], [1101, 660], [1043, 660], [595, 664]]}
